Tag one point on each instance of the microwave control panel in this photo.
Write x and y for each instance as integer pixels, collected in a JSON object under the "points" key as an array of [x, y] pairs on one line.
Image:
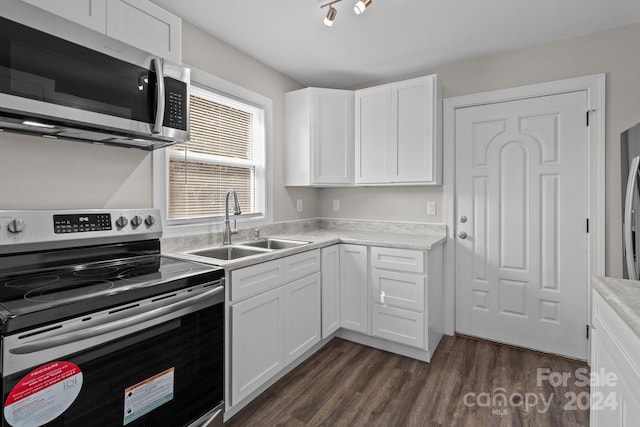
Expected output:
{"points": [[175, 104]]}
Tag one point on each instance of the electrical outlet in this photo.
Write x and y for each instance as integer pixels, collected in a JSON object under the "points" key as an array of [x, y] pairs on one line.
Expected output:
{"points": [[336, 205], [299, 205], [431, 207]]}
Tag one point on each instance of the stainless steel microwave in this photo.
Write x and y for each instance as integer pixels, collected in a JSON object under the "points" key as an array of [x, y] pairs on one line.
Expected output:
{"points": [[54, 87]]}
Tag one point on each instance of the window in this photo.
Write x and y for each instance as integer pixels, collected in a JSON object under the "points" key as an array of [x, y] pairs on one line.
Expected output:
{"points": [[227, 150]]}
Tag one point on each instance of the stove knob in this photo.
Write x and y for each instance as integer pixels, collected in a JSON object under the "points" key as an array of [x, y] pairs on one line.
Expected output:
{"points": [[16, 226], [136, 221], [122, 222], [150, 220]]}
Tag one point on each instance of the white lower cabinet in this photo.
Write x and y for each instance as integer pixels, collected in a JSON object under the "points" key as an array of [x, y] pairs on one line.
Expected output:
{"points": [[279, 310], [392, 298], [257, 342], [399, 288], [615, 369], [273, 321], [330, 270], [394, 324], [354, 296], [302, 316]]}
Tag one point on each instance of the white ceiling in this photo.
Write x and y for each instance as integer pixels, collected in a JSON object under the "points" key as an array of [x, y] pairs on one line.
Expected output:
{"points": [[392, 37]]}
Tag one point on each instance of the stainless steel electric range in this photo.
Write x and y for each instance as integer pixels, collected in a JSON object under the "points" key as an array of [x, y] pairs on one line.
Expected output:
{"points": [[100, 329]]}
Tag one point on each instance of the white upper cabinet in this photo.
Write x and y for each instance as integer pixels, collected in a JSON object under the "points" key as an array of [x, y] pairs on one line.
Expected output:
{"points": [[398, 133], [147, 26], [139, 23], [89, 13], [319, 137]]}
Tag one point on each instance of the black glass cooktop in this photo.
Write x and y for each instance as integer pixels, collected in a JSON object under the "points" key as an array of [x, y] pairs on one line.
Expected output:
{"points": [[36, 296]]}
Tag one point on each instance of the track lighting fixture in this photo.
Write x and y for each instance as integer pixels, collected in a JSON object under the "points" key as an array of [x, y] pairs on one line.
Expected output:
{"points": [[331, 14], [361, 6]]}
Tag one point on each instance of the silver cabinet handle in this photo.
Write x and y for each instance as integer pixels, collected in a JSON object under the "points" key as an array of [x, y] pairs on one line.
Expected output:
{"points": [[462, 235], [157, 64], [463, 219]]}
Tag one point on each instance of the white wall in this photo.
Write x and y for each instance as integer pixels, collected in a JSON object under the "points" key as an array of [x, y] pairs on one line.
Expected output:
{"points": [[614, 52], [40, 173]]}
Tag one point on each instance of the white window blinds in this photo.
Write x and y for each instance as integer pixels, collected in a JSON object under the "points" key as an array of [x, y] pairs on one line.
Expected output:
{"points": [[223, 153]]}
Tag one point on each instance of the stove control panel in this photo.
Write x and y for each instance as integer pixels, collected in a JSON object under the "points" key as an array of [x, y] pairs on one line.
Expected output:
{"points": [[44, 229], [78, 223]]}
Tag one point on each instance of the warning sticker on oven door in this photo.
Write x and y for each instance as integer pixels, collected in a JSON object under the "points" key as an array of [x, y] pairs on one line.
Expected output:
{"points": [[43, 394], [144, 397]]}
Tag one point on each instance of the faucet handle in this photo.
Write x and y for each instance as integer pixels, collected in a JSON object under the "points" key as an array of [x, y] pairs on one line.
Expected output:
{"points": [[256, 234]]}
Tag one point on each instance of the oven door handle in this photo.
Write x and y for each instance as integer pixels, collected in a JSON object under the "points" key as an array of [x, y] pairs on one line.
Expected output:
{"points": [[111, 326]]}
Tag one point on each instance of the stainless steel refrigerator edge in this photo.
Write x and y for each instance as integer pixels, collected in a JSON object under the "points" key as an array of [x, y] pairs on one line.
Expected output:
{"points": [[630, 162]]}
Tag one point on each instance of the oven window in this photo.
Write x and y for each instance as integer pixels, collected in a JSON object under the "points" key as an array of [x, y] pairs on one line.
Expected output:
{"points": [[43, 67], [175, 370]]}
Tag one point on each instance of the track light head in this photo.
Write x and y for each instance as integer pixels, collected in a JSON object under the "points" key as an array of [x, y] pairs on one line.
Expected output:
{"points": [[331, 16], [361, 6]]}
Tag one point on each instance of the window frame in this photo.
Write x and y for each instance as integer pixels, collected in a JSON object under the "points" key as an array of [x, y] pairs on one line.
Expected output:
{"points": [[263, 172]]}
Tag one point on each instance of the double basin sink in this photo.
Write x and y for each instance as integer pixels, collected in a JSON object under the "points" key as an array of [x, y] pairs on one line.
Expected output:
{"points": [[246, 249]]}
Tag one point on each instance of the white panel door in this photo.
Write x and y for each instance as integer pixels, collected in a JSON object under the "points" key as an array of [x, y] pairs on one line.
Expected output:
{"points": [[89, 13], [333, 136], [354, 298], [146, 26], [521, 200], [374, 155], [330, 264], [257, 342], [301, 316], [412, 104]]}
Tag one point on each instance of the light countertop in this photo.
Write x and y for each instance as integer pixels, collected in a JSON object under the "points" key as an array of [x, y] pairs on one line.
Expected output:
{"points": [[326, 237], [623, 296]]}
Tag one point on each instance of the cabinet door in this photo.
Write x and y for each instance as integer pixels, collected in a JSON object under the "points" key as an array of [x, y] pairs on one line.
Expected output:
{"points": [[353, 288], [394, 324], [146, 26], [373, 130], [412, 121], [301, 265], [332, 136], [615, 396], [330, 264], [88, 13], [302, 316], [257, 342], [397, 289]]}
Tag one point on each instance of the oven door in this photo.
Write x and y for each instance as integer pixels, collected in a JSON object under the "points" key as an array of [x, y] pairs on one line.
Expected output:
{"points": [[157, 362]]}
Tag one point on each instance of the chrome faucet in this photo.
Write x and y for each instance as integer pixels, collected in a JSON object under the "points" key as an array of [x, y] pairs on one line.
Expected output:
{"points": [[226, 234]]}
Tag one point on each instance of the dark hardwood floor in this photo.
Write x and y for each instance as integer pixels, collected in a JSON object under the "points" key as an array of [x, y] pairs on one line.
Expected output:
{"points": [[468, 383]]}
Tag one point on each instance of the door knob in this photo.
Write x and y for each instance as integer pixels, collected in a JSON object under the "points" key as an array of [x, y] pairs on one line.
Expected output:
{"points": [[462, 235], [463, 219]]}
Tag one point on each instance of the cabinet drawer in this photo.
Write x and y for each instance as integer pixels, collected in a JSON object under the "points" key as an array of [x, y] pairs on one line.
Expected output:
{"points": [[400, 289], [257, 278], [402, 326], [301, 265], [398, 259]]}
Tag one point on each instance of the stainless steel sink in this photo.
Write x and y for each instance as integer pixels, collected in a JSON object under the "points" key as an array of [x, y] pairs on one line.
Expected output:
{"points": [[274, 243], [227, 253]]}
